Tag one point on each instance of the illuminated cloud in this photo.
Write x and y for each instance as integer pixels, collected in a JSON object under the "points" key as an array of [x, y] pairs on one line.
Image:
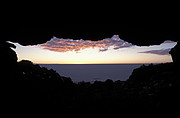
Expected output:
{"points": [[158, 52], [64, 45]]}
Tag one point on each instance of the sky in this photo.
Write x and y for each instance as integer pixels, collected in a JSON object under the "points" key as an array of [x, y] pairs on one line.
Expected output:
{"points": [[112, 50]]}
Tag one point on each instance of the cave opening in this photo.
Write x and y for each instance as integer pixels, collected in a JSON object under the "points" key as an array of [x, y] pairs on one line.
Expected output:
{"points": [[151, 89]]}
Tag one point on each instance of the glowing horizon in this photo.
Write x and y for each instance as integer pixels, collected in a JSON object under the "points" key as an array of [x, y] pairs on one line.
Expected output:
{"points": [[107, 51]]}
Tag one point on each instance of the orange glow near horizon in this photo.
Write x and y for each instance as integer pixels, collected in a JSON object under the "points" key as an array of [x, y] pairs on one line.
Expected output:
{"points": [[110, 54]]}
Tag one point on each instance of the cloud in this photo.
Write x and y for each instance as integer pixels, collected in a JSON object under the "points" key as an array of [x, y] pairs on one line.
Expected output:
{"points": [[102, 50], [64, 45], [158, 52], [168, 41]]}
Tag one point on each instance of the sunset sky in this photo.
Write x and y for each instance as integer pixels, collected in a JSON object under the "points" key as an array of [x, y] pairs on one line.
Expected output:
{"points": [[112, 50]]}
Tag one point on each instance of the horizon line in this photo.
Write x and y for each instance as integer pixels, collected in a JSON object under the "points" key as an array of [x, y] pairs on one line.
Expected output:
{"points": [[100, 63]]}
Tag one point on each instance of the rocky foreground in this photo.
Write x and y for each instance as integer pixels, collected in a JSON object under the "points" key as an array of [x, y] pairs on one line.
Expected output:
{"points": [[150, 89]]}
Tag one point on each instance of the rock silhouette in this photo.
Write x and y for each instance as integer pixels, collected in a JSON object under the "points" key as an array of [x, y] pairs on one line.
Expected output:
{"points": [[138, 34], [29, 89], [175, 54], [150, 89]]}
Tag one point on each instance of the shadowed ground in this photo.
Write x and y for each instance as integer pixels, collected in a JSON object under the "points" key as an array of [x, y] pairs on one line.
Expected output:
{"points": [[28, 89], [152, 89]]}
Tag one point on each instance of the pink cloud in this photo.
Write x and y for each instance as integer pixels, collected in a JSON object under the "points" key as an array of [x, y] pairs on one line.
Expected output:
{"points": [[64, 45]]}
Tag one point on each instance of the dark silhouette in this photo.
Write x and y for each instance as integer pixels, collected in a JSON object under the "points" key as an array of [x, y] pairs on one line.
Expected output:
{"points": [[175, 54], [150, 89], [29, 89]]}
